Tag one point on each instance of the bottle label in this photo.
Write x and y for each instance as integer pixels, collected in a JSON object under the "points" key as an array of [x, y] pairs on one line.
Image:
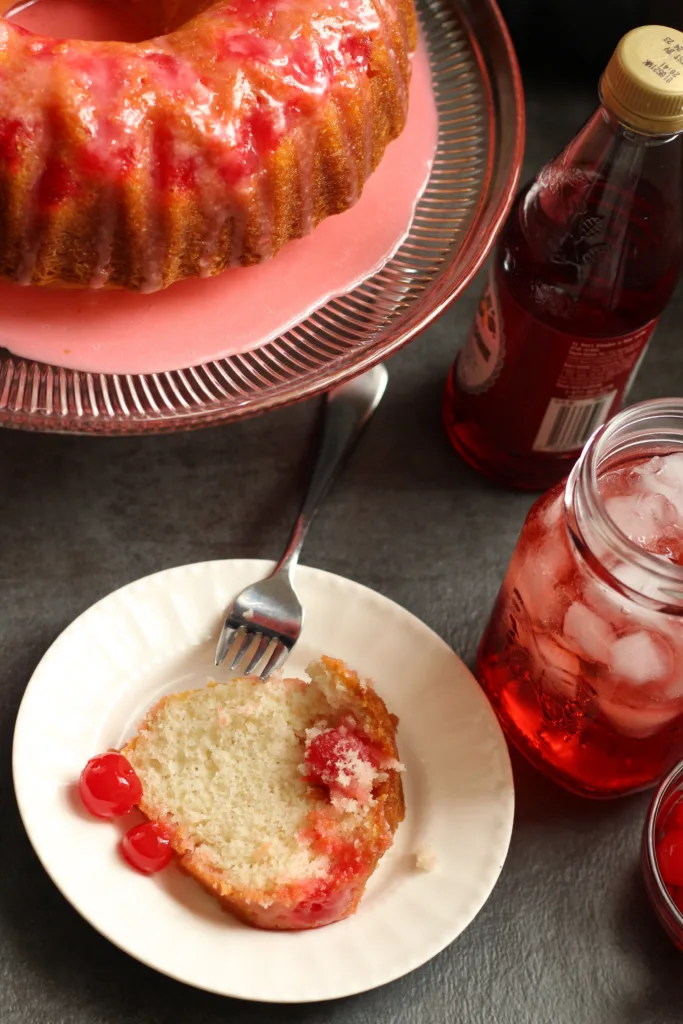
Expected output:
{"points": [[532, 388], [568, 423], [591, 384], [481, 359]]}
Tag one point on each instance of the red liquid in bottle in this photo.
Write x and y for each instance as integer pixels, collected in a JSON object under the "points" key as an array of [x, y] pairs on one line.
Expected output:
{"points": [[587, 261]]}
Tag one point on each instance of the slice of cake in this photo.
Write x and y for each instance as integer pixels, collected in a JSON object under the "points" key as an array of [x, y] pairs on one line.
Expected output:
{"points": [[280, 797]]}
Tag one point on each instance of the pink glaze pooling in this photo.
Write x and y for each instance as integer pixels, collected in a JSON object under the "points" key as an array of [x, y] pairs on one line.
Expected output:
{"points": [[196, 110], [197, 321]]}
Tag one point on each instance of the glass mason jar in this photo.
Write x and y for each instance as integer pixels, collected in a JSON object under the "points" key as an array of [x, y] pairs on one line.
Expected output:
{"points": [[583, 655], [665, 818]]}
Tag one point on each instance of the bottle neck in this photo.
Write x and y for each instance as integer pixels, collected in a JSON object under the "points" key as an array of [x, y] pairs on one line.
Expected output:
{"points": [[605, 151], [638, 433], [602, 230], [606, 124]]}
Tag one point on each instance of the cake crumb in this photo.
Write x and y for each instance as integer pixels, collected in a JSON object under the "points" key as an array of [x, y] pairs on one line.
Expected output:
{"points": [[345, 804], [260, 854], [248, 709], [426, 859]]}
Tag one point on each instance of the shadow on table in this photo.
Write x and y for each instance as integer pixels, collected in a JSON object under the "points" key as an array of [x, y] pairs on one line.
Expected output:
{"points": [[587, 852], [644, 938], [539, 800]]}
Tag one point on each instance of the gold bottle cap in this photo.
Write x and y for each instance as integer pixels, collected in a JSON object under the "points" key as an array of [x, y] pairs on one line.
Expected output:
{"points": [[643, 82]]}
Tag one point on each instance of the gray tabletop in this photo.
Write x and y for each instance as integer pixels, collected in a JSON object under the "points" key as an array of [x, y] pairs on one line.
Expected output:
{"points": [[567, 936]]}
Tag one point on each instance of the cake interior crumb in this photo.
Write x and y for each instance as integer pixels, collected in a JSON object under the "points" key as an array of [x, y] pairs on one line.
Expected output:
{"points": [[426, 859]]}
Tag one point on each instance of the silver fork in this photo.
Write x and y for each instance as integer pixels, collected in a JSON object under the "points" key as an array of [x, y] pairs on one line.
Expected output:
{"points": [[265, 620]]}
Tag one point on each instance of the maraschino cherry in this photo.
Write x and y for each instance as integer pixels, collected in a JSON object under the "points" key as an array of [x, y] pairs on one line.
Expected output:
{"points": [[343, 761], [147, 847], [108, 785]]}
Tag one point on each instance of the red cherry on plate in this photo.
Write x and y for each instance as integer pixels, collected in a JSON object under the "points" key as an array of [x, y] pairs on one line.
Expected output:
{"points": [[670, 857], [109, 786], [147, 848]]}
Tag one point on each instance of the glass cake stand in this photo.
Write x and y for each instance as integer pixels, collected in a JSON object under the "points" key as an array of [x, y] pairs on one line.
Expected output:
{"points": [[479, 99]]}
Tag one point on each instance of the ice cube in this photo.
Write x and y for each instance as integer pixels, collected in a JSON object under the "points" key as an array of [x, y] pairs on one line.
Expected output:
{"points": [[628, 612], [646, 470], [588, 634], [644, 518], [675, 685], [667, 468], [642, 658], [616, 482], [553, 513], [664, 475], [540, 580], [625, 614], [559, 669], [605, 601], [673, 468], [638, 579], [638, 723]]}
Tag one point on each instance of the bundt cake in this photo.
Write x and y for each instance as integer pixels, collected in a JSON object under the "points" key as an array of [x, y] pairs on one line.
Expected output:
{"points": [[279, 797], [244, 124]]}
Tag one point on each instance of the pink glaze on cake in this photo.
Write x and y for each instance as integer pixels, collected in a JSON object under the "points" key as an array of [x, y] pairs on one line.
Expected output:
{"points": [[239, 126], [197, 321]]}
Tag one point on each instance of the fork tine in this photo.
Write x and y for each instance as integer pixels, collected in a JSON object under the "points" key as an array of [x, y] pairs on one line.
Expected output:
{"points": [[260, 650], [224, 643], [276, 660], [242, 643]]}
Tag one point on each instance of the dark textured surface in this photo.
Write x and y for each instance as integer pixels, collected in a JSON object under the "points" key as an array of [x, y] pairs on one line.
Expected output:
{"points": [[573, 41], [567, 936]]}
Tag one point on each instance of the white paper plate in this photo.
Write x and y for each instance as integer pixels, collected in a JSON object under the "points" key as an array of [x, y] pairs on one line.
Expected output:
{"points": [[158, 635]]}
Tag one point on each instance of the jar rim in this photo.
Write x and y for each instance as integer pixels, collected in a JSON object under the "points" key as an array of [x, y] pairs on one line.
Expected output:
{"points": [[582, 489]]}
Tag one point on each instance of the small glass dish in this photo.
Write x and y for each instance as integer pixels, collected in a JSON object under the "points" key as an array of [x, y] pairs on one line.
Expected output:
{"points": [[668, 796]]}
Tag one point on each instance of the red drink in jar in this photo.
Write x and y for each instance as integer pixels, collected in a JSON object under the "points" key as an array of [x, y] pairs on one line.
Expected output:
{"points": [[585, 264], [583, 655]]}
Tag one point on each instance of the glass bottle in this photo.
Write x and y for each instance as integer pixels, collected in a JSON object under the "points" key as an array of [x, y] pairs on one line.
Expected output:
{"points": [[583, 656], [585, 264]]}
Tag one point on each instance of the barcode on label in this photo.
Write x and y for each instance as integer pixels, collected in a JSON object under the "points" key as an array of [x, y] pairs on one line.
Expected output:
{"points": [[568, 424]]}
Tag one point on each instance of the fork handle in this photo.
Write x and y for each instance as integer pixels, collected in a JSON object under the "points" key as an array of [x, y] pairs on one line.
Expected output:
{"points": [[348, 409]]}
